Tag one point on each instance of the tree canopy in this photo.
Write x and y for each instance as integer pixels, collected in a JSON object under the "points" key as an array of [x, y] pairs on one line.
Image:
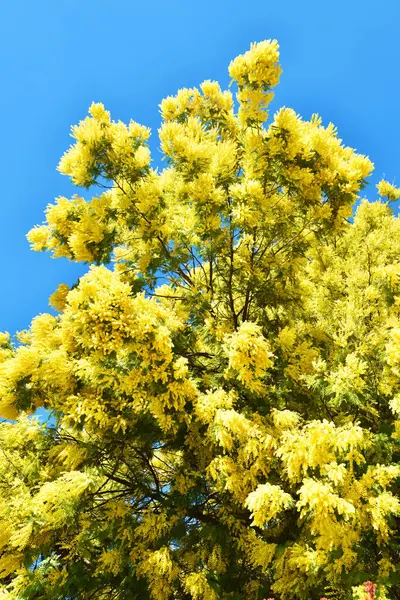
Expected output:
{"points": [[223, 384]]}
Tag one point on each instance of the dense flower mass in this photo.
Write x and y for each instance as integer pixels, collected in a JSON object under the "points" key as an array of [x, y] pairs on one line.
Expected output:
{"points": [[223, 384]]}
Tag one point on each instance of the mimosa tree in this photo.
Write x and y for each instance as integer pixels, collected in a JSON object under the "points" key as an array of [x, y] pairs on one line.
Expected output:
{"points": [[223, 385]]}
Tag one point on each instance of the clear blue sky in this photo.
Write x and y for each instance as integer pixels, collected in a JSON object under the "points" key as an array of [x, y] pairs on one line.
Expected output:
{"points": [[340, 58]]}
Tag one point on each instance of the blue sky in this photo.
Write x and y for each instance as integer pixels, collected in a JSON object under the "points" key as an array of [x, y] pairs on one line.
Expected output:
{"points": [[340, 59]]}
